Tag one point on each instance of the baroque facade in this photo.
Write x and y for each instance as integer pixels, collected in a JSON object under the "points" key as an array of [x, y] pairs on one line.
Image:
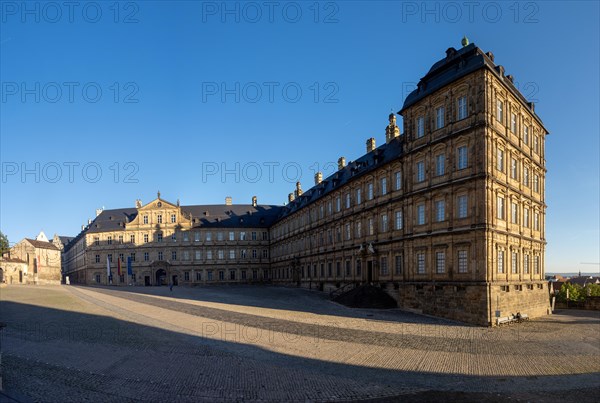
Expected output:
{"points": [[448, 216]]}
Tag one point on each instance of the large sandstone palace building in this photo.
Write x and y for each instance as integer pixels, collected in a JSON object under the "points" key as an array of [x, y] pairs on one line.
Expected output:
{"points": [[447, 216]]}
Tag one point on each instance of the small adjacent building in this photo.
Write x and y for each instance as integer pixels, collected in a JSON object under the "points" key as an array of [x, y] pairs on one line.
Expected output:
{"points": [[32, 261]]}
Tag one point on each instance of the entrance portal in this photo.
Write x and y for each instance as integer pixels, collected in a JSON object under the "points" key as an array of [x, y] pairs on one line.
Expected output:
{"points": [[370, 271], [161, 277]]}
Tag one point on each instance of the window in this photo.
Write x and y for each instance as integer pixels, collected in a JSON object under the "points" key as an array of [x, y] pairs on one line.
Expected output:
{"points": [[198, 276], [440, 164], [462, 206], [526, 176], [500, 208], [255, 274], [132, 238], [120, 238], [500, 261], [96, 240], [536, 265], [420, 171], [463, 159], [253, 235], [383, 186], [499, 111], [173, 218], [526, 217], [265, 236], [209, 255], [231, 236], [358, 229], [440, 210], [242, 235], [231, 274], [398, 265], [146, 256], [145, 219], [398, 221], [254, 254], [338, 204], [358, 268], [536, 145], [329, 208], [526, 135], [536, 221], [159, 237], [421, 214], [219, 236], [513, 263], [265, 253], [462, 107], [526, 264], [536, 183], [358, 195], [221, 275], [513, 168], [159, 218], [221, 254], [500, 160], [338, 269], [231, 254], [440, 262], [514, 216], [513, 123], [109, 240], [174, 255], [98, 278], [197, 236], [209, 275], [420, 127], [398, 177], [198, 255], [439, 117], [348, 268], [348, 234], [384, 222], [145, 238], [122, 257], [97, 258], [463, 264], [244, 276], [347, 200], [173, 237], [209, 236], [420, 263], [370, 226], [383, 267], [186, 275], [370, 191], [160, 256]]}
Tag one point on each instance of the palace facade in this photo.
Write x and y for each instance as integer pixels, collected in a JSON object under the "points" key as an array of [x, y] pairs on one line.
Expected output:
{"points": [[447, 216]]}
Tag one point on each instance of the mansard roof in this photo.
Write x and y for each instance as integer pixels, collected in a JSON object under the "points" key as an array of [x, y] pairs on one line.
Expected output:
{"points": [[212, 216], [457, 64], [369, 162]]}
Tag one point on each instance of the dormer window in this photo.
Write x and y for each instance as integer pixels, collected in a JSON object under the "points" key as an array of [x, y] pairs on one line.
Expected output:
{"points": [[145, 219]]}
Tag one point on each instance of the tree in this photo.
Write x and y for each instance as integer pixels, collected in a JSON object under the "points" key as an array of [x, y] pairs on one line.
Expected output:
{"points": [[592, 290], [4, 245], [575, 292]]}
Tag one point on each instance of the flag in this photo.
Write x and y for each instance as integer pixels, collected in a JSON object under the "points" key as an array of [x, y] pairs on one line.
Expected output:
{"points": [[107, 267], [119, 267], [129, 268]]}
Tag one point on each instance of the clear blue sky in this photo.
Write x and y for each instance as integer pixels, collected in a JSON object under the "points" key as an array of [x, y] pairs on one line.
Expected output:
{"points": [[189, 88]]}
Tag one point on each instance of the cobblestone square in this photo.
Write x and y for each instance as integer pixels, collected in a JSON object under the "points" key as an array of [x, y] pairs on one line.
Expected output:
{"points": [[263, 343]]}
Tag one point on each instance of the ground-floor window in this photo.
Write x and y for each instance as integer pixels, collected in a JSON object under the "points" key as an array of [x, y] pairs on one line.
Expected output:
{"points": [[186, 276], [221, 275], [255, 274], [243, 274], [232, 274], [98, 278], [209, 275], [198, 276]]}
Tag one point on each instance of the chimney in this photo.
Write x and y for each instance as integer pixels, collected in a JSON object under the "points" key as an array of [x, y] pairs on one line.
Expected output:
{"points": [[290, 197], [82, 227], [254, 201], [89, 221], [298, 189], [318, 178], [341, 162], [370, 144], [228, 201]]}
